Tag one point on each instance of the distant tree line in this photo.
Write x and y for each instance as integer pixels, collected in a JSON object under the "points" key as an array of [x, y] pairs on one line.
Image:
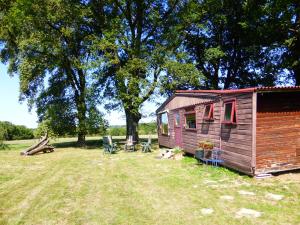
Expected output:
{"points": [[9, 131], [143, 129]]}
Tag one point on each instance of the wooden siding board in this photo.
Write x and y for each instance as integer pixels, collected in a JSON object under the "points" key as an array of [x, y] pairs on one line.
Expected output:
{"points": [[235, 140], [254, 121], [278, 132]]}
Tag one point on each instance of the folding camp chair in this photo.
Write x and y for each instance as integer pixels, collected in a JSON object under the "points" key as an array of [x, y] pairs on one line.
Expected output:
{"points": [[129, 145], [146, 146], [108, 145]]}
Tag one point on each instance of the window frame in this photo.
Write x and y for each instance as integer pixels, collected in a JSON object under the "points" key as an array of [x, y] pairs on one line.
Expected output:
{"points": [[210, 116], [161, 124], [189, 113], [233, 112]]}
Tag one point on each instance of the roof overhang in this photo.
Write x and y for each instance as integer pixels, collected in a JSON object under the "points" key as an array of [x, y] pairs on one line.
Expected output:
{"points": [[203, 93], [244, 90]]}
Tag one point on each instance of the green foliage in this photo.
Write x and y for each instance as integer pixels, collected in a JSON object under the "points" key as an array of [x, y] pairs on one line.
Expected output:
{"points": [[147, 128], [117, 131], [142, 55], [95, 122], [2, 131], [70, 54], [178, 150], [143, 128], [9, 131], [45, 128], [57, 39], [231, 43]]}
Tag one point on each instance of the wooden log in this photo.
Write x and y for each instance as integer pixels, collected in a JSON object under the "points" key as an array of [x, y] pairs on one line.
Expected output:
{"points": [[41, 144], [45, 148], [36, 145]]}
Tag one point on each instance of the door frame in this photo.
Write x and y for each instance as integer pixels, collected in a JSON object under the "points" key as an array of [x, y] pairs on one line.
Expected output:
{"points": [[178, 129]]}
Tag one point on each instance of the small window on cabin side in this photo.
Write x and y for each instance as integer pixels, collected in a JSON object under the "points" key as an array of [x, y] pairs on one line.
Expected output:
{"points": [[190, 119], [229, 112], [177, 119], [164, 123], [209, 112]]}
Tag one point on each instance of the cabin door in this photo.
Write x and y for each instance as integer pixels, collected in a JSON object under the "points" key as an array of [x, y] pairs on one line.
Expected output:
{"points": [[178, 129]]}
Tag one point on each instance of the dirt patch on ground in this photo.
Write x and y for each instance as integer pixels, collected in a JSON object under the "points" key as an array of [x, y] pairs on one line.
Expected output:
{"points": [[291, 176]]}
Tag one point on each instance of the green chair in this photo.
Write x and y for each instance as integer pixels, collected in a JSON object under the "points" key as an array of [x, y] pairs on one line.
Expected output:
{"points": [[146, 146], [129, 145], [108, 145]]}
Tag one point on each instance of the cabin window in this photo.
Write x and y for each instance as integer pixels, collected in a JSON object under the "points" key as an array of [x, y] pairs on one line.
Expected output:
{"points": [[229, 112], [177, 119], [164, 123], [208, 112], [190, 120]]}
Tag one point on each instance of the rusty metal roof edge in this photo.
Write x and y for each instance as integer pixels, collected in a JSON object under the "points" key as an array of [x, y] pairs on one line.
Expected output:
{"points": [[244, 90]]}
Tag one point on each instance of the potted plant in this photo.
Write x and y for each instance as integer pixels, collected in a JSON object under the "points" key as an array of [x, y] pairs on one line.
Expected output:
{"points": [[205, 147], [178, 153]]}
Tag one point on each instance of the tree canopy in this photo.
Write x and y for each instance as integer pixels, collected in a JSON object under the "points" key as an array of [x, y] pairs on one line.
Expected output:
{"points": [[141, 55], [50, 45]]}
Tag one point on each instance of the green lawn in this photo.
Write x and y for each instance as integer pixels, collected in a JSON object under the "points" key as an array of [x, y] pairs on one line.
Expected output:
{"points": [[83, 186]]}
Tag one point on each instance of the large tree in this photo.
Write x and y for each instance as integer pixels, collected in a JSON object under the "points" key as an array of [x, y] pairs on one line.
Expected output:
{"points": [[283, 21], [142, 54], [231, 42], [54, 40]]}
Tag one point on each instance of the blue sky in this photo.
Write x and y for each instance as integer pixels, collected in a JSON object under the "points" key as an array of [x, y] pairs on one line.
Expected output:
{"points": [[13, 111]]}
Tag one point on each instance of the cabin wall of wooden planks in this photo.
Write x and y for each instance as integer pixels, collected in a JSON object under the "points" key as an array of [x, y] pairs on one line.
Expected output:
{"points": [[234, 140], [278, 132]]}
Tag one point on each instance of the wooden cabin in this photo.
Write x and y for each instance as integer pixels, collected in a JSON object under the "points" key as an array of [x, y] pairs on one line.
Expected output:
{"points": [[257, 129]]}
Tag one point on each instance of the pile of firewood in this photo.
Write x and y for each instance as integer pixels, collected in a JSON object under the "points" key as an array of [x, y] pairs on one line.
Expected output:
{"points": [[41, 146]]}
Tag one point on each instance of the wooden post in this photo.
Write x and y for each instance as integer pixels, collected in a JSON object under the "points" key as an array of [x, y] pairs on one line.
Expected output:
{"points": [[254, 111]]}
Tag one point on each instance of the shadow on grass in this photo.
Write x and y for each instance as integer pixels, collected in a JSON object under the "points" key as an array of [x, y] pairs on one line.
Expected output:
{"points": [[90, 144], [94, 144], [4, 147]]}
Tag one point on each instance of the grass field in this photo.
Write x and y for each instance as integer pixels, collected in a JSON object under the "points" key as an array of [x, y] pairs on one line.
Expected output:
{"points": [[83, 186]]}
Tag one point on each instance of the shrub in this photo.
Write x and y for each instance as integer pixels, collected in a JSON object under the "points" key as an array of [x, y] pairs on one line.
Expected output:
{"points": [[177, 150], [10, 131], [1, 137], [117, 131]]}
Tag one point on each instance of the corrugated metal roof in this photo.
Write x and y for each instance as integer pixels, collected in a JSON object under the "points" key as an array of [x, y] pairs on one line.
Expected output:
{"points": [[244, 90], [193, 93]]}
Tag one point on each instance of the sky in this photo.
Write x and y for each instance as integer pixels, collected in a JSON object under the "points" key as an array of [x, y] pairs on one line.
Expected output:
{"points": [[17, 112]]}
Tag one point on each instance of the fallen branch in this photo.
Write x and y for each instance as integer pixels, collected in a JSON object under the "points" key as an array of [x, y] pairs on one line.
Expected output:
{"points": [[41, 146]]}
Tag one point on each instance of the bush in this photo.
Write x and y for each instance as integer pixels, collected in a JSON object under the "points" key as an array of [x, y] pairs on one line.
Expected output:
{"points": [[10, 131], [143, 129], [44, 128], [2, 131], [178, 150], [147, 128], [117, 131]]}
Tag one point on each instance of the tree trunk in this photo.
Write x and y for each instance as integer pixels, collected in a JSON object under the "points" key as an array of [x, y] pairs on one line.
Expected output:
{"points": [[215, 77], [296, 60], [81, 108], [295, 49], [132, 121]]}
